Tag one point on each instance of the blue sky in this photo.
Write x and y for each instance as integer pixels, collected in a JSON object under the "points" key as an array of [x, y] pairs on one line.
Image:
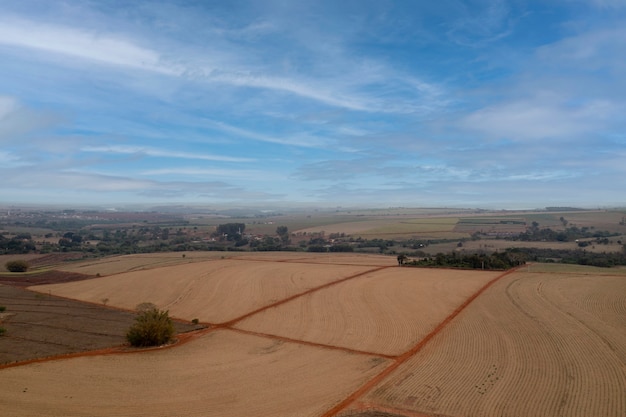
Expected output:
{"points": [[495, 104]]}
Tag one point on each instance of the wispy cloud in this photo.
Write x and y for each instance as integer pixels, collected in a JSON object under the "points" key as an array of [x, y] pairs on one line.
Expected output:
{"points": [[538, 119], [240, 174], [232, 68], [161, 153], [293, 140], [17, 120], [100, 47], [479, 23]]}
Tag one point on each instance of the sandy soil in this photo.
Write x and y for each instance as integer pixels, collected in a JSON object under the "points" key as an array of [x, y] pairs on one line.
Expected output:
{"points": [[212, 291], [127, 263], [40, 278], [329, 335], [386, 312], [220, 374], [38, 260], [534, 344]]}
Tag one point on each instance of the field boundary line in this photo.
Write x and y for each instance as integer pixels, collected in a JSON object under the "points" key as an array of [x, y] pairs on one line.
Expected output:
{"points": [[366, 406], [181, 339], [317, 261], [230, 323], [401, 359], [307, 343], [188, 336]]}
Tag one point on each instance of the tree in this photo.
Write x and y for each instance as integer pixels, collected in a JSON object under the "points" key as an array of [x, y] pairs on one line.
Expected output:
{"points": [[153, 327], [232, 231], [402, 258], [283, 232], [17, 266]]}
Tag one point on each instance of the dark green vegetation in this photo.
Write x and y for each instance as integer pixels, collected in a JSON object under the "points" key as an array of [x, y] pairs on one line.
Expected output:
{"points": [[20, 243], [580, 257], [569, 234], [153, 327], [499, 260], [17, 266]]}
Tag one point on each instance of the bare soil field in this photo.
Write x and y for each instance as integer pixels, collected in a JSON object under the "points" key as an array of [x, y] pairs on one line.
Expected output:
{"points": [[212, 291], [384, 312], [222, 373], [534, 344], [329, 335], [127, 263], [38, 261], [39, 325], [39, 278], [556, 268]]}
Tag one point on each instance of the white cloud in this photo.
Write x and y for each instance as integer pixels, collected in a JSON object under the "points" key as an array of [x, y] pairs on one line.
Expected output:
{"points": [[7, 106], [7, 159], [162, 153], [17, 120], [300, 140], [228, 64], [105, 48], [245, 174], [536, 119], [600, 48], [480, 23]]}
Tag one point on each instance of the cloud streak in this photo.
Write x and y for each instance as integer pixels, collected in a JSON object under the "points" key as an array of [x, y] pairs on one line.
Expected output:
{"points": [[161, 153], [103, 48]]}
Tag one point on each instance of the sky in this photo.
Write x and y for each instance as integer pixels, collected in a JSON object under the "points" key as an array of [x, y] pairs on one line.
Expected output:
{"points": [[356, 103]]}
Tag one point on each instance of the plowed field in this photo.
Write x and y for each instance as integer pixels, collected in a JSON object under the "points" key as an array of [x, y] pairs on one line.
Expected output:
{"points": [[212, 291], [324, 336], [534, 344], [220, 374], [127, 263], [385, 312]]}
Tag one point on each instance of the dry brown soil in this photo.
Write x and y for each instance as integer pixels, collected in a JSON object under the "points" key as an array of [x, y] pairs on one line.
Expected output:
{"points": [[534, 344], [446, 343], [40, 325]]}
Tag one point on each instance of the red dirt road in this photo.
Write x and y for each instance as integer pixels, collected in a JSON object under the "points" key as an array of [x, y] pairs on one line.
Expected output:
{"points": [[410, 353]]}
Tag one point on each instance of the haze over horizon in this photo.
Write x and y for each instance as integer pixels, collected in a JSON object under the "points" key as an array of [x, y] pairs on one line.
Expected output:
{"points": [[495, 104]]}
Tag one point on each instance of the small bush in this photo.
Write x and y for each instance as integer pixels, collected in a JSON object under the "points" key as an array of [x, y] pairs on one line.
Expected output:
{"points": [[17, 266], [152, 327], [2, 309], [2, 331], [195, 321]]}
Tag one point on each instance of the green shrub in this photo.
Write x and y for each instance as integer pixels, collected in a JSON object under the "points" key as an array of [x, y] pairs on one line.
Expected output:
{"points": [[2, 309], [195, 321], [2, 331], [17, 266], [152, 327]]}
